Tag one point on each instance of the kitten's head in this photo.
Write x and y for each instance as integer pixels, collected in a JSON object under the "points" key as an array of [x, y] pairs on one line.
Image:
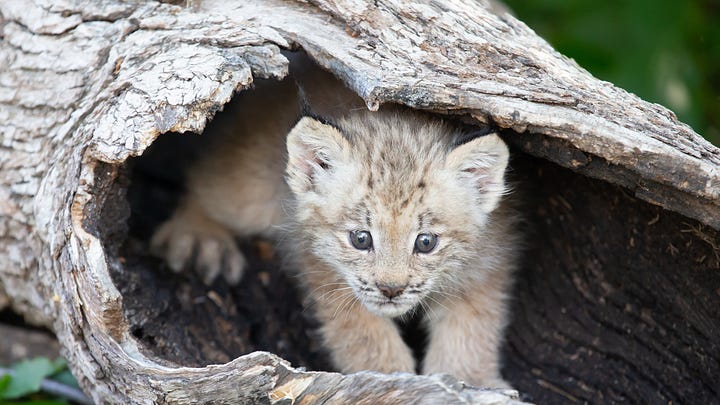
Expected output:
{"points": [[394, 202]]}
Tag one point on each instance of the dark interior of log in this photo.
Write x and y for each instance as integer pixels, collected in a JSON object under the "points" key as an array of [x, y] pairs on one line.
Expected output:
{"points": [[617, 300]]}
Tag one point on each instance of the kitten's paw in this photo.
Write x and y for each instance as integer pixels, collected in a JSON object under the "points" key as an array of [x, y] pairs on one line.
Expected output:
{"points": [[191, 241]]}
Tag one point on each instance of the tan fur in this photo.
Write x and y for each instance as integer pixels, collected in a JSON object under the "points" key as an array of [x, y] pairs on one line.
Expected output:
{"points": [[394, 173]]}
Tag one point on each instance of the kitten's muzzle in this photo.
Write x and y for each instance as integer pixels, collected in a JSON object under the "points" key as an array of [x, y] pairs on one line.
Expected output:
{"points": [[391, 290]]}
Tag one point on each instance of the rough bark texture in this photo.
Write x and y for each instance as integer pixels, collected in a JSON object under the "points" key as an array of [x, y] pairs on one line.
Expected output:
{"points": [[85, 85]]}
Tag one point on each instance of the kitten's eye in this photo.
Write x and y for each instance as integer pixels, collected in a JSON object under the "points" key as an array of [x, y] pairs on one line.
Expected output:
{"points": [[425, 243], [361, 240]]}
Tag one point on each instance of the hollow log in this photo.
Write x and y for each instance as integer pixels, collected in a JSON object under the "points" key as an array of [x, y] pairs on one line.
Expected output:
{"points": [[85, 87]]}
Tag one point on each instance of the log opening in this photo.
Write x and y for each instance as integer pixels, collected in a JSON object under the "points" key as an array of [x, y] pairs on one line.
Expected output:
{"points": [[189, 353], [607, 286], [167, 321]]}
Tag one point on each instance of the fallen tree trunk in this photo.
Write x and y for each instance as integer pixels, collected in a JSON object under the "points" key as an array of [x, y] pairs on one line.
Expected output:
{"points": [[85, 86]]}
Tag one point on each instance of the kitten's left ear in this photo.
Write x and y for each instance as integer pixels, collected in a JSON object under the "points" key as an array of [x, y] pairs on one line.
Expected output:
{"points": [[482, 161]]}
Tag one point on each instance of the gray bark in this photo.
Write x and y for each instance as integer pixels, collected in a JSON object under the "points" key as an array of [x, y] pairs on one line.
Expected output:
{"points": [[84, 85]]}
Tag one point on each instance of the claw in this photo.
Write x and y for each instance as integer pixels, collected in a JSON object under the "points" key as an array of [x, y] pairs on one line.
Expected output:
{"points": [[179, 251], [234, 265], [208, 263]]}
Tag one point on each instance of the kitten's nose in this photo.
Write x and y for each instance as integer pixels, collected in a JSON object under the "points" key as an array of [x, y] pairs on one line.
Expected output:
{"points": [[391, 290]]}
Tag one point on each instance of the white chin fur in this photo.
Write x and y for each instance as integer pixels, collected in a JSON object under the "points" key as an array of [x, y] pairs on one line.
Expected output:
{"points": [[388, 309]]}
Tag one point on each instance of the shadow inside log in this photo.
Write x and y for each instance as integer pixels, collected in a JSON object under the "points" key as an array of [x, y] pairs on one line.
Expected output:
{"points": [[616, 299], [179, 318]]}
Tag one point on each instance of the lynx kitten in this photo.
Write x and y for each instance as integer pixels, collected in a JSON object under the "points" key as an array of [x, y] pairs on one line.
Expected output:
{"points": [[385, 213]]}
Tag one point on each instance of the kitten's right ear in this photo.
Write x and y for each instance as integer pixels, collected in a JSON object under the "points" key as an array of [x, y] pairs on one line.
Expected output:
{"points": [[314, 148], [481, 162]]}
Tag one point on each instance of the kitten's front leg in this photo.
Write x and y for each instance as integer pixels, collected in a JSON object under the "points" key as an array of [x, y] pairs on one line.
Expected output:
{"points": [[356, 338], [466, 333]]}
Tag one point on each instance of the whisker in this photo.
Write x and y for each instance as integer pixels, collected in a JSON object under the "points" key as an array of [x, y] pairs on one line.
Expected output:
{"points": [[349, 308], [327, 285], [428, 308], [334, 295], [326, 294], [345, 301], [446, 294], [438, 302]]}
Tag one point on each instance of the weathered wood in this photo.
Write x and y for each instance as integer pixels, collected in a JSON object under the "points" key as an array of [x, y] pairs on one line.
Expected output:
{"points": [[86, 85]]}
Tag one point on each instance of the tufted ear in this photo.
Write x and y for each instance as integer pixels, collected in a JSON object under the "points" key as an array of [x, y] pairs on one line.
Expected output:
{"points": [[314, 148], [481, 163]]}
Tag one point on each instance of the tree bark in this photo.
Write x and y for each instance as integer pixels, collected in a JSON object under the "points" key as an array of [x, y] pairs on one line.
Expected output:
{"points": [[86, 85]]}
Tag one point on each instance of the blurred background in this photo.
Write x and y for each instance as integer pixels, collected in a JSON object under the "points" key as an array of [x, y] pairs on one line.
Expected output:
{"points": [[667, 52]]}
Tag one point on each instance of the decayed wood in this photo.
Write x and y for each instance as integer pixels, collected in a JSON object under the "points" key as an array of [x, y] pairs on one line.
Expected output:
{"points": [[86, 84]]}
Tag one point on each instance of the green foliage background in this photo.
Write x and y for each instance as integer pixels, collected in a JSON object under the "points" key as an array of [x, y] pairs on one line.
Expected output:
{"points": [[665, 51], [24, 386]]}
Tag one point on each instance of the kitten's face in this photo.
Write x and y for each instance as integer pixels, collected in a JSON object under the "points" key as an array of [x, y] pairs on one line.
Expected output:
{"points": [[419, 240], [390, 207]]}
